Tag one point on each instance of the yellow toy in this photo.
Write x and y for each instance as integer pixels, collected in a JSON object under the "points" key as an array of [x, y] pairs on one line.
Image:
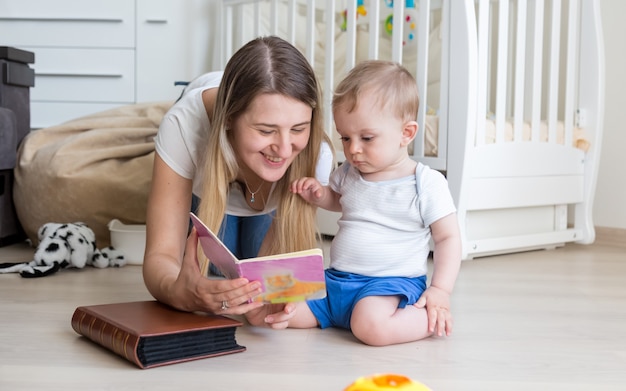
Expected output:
{"points": [[382, 382]]}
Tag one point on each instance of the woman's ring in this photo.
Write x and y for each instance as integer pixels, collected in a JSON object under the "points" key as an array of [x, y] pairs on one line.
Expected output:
{"points": [[224, 305]]}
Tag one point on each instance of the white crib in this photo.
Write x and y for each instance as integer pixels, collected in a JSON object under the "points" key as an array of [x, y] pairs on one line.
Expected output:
{"points": [[512, 100]]}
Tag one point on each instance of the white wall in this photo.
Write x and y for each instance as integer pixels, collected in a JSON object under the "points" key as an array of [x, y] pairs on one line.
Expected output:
{"points": [[610, 201]]}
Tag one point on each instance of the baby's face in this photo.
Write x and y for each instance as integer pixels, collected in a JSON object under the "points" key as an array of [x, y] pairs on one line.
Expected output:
{"points": [[373, 139]]}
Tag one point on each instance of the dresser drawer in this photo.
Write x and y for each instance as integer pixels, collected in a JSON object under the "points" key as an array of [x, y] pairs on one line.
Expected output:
{"points": [[70, 23], [84, 75]]}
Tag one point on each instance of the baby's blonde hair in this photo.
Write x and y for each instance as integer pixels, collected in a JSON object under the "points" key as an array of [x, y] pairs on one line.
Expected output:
{"points": [[393, 85]]}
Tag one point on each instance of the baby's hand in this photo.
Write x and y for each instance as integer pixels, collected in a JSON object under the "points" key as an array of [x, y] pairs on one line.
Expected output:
{"points": [[275, 316], [308, 188], [437, 304]]}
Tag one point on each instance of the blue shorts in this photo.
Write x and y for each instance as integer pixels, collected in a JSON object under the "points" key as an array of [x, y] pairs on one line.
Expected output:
{"points": [[344, 290]]}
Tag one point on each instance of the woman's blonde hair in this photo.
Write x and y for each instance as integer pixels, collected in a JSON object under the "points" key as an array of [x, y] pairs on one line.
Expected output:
{"points": [[265, 65], [394, 86]]}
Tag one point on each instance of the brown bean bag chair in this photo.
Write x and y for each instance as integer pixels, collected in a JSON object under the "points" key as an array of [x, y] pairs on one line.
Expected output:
{"points": [[92, 169]]}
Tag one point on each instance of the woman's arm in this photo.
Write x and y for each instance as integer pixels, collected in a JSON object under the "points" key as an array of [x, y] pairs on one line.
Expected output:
{"points": [[171, 271], [166, 219]]}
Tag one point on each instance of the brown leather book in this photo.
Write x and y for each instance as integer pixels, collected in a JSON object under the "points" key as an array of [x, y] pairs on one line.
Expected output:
{"points": [[150, 334]]}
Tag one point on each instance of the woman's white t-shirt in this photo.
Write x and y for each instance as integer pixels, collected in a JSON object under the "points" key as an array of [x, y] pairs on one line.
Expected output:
{"points": [[182, 135]]}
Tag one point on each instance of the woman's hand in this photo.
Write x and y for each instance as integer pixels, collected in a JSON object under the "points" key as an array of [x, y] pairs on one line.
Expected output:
{"points": [[195, 292]]}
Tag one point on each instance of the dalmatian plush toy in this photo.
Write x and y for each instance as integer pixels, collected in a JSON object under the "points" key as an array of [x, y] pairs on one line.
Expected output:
{"points": [[61, 246]]}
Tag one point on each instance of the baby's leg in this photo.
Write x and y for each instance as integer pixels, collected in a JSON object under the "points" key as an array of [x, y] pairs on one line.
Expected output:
{"points": [[377, 321]]}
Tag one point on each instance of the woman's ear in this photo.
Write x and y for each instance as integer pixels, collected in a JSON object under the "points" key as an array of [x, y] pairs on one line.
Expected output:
{"points": [[409, 131]]}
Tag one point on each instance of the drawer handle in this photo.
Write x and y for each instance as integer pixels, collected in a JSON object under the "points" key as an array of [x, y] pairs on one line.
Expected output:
{"points": [[57, 74], [48, 19], [156, 21]]}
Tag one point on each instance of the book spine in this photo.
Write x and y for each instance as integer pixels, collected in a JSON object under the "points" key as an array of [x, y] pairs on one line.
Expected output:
{"points": [[107, 335]]}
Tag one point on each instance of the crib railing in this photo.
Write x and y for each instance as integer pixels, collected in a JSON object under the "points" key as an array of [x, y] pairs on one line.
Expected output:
{"points": [[528, 71], [533, 68], [316, 27], [503, 61]]}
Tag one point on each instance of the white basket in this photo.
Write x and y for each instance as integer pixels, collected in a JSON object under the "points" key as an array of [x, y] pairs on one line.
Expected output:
{"points": [[129, 239]]}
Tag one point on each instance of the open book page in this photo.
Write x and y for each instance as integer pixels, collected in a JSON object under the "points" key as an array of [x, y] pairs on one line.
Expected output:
{"points": [[215, 250], [295, 276]]}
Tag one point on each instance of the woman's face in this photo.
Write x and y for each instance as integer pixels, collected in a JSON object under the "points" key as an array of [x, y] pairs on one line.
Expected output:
{"points": [[270, 134]]}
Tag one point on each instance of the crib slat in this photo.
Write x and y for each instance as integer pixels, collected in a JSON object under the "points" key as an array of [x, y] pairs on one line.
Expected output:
{"points": [[537, 58], [310, 31], [421, 75], [273, 17], [502, 66], [329, 67], [483, 60], [374, 28], [398, 32], [441, 161], [520, 70], [228, 37], [350, 53], [510, 81], [422, 53], [570, 76], [256, 27], [291, 21], [553, 78]]}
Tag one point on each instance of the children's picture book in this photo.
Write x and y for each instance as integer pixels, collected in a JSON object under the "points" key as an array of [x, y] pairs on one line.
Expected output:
{"points": [[295, 276]]}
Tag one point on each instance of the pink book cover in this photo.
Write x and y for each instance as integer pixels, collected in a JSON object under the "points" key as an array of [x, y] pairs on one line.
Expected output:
{"points": [[295, 276]]}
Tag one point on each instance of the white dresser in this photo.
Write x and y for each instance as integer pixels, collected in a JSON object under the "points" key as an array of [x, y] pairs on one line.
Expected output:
{"points": [[95, 55]]}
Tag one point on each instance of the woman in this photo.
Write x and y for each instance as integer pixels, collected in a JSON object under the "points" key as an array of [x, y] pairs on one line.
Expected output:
{"points": [[237, 140]]}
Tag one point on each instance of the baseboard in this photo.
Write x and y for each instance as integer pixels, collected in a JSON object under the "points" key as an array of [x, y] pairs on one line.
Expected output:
{"points": [[611, 236]]}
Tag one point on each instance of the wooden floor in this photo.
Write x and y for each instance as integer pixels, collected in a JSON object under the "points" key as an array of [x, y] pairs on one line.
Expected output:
{"points": [[544, 320]]}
